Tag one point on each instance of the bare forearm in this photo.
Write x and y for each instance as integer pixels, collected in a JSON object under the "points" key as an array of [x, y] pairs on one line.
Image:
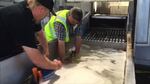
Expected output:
{"points": [[78, 44], [61, 48], [43, 42], [36, 57]]}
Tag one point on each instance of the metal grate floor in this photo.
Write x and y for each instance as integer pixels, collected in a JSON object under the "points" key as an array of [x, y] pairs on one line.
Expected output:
{"points": [[107, 38]]}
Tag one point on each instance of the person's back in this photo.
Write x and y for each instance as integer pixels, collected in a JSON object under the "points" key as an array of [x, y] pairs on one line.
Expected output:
{"points": [[16, 28], [18, 24], [7, 43]]}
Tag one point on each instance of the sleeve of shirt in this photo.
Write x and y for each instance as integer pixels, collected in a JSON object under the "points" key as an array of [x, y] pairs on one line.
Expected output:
{"points": [[38, 27], [25, 37], [60, 31], [27, 40], [44, 21]]}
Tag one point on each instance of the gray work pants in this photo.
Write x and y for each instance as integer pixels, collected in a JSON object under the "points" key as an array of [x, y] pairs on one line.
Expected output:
{"points": [[53, 48]]}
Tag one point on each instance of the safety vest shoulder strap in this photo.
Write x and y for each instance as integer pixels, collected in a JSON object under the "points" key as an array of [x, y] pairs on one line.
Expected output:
{"points": [[49, 28]]}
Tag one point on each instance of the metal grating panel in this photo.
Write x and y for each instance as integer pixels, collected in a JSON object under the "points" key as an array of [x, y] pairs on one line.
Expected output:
{"points": [[107, 38]]}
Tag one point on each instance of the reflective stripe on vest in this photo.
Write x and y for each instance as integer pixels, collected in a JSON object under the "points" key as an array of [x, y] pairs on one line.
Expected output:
{"points": [[49, 27]]}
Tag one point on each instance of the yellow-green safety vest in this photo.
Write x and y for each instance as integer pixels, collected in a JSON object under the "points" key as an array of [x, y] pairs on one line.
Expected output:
{"points": [[49, 27]]}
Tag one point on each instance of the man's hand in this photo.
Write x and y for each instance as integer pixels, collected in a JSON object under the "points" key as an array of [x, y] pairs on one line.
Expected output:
{"points": [[73, 53], [57, 64], [61, 59], [44, 44]]}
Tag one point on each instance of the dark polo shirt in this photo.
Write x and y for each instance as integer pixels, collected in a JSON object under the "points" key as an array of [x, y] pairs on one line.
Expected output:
{"points": [[17, 28]]}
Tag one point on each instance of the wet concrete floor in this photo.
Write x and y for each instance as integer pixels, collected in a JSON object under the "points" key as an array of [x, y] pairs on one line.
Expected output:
{"points": [[95, 66]]}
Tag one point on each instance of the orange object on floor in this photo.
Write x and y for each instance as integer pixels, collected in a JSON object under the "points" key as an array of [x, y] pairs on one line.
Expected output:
{"points": [[40, 74], [37, 74]]}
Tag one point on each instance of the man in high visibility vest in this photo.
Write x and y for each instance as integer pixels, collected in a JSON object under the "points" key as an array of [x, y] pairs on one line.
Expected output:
{"points": [[62, 35]]}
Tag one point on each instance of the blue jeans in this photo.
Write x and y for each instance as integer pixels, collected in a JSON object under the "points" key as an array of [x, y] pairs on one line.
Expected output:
{"points": [[47, 74]]}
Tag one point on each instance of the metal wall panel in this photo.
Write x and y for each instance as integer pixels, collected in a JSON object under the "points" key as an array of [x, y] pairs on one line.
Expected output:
{"points": [[142, 55], [142, 34]]}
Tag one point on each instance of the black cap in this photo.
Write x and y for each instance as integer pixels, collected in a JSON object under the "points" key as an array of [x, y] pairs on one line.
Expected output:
{"points": [[76, 13], [48, 4]]}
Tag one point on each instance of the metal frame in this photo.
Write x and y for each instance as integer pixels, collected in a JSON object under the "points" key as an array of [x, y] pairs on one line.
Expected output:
{"points": [[142, 27]]}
